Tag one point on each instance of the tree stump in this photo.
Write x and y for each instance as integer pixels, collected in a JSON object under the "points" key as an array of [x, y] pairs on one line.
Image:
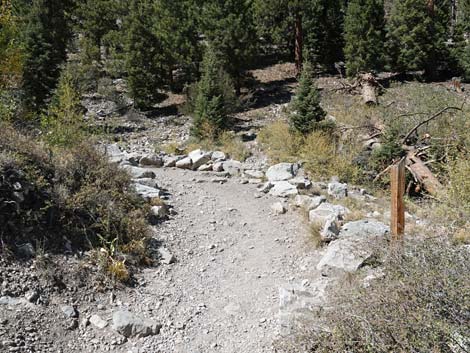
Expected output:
{"points": [[369, 86]]}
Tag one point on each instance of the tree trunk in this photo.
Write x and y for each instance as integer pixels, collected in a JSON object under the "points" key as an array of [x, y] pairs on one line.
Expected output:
{"points": [[369, 89], [423, 174], [298, 43]]}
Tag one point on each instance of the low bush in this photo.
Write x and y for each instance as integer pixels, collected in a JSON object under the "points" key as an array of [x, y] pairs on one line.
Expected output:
{"points": [[61, 195], [421, 305]]}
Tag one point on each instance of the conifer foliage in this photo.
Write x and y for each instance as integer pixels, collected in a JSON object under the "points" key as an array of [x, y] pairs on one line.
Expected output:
{"points": [[215, 98], [306, 110], [144, 56], [364, 36]]}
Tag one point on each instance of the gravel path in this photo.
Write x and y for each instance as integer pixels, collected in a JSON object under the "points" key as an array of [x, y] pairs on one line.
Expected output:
{"points": [[232, 254]]}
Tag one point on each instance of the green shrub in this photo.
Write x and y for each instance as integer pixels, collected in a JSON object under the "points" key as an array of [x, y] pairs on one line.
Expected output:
{"points": [[51, 196], [214, 98], [306, 110]]}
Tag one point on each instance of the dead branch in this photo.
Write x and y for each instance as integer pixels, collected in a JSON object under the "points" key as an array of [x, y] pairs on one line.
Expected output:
{"points": [[432, 117]]}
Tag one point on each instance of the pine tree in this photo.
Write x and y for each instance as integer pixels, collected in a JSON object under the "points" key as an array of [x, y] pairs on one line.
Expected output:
{"points": [[175, 24], [418, 31], [364, 36], [215, 98], [229, 27], [306, 110], [144, 56], [46, 37], [323, 22]]}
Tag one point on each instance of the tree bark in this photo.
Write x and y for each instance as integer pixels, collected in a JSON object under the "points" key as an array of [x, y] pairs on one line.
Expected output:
{"points": [[298, 42], [369, 89], [423, 174]]}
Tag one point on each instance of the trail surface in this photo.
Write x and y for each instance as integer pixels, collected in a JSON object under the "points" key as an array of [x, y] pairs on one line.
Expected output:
{"points": [[232, 255]]}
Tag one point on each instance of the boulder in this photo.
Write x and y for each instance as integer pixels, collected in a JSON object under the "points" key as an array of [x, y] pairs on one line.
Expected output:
{"points": [[199, 158], [253, 174], [139, 173], [301, 182], [185, 163], [330, 229], [170, 161], [278, 208], [218, 156], [147, 192], [232, 167], [130, 325], [283, 189], [280, 172], [325, 211], [338, 190], [151, 161], [307, 202], [218, 167], [364, 228], [98, 322], [205, 168]]}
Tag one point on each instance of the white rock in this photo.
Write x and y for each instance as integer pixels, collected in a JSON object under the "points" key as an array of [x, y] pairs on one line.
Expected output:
{"points": [[308, 203], [254, 174], [170, 161], [330, 230], [98, 322], [280, 172], [147, 192], [205, 167], [185, 163], [325, 211], [232, 167], [301, 182], [160, 211], [130, 325], [278, 208], [199, 158], [166, 256], [218, 167], [218, 156], [151, 160], [139, 173], [283, 189], [338, 190]]}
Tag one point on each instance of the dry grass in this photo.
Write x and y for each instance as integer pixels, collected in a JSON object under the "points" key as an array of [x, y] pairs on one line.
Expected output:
{"points": [[421, 305]]}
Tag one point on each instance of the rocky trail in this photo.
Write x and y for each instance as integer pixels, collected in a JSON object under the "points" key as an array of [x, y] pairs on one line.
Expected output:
{"points": [[232, 255]]}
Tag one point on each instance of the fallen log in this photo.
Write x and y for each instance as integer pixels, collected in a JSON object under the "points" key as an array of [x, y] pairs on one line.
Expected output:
{"points": [[369, 87], [423, 174]]}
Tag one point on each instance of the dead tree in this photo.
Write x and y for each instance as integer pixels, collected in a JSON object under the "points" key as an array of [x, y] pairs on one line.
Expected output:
{"points": [[369, 86]]}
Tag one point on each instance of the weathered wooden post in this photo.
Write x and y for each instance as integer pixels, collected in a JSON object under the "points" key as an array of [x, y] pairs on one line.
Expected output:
{"points": [[397, 179]]}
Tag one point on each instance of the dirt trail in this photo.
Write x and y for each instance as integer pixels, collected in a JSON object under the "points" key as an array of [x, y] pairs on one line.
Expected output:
{"points": [[232, 255]]}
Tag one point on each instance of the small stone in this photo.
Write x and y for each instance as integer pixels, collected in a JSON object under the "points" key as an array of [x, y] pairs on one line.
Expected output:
{"points": [[184, 163], [166, 256], [130, 325], [338, 190], [32, 296], [278, 208], [98, 322], [69, 311]]}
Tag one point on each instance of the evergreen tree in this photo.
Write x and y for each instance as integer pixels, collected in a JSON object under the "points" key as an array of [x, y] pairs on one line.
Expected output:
{"points": [[229, 27], [215, 98], [175, 24], [364, 36], [323, 22], [306, 110], [46, 37], [418, 31], [144, 53]]}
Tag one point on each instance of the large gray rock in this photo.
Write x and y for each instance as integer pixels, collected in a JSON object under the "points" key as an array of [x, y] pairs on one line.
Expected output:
{"points": [[218, 156], [139, 173], [151, 161], [364, 228], [330, 229], [280, 172], [326, 211], [254, 174], [232, 167], [354, 248], [307, 202], [113, 152], [147, 192], [130, 325], [338, 190], [283, 189], [218, 167], [185, 163], [199, 158]]}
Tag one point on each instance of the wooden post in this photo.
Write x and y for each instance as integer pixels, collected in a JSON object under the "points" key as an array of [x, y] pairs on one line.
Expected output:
{"points": [[397, 178]]}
